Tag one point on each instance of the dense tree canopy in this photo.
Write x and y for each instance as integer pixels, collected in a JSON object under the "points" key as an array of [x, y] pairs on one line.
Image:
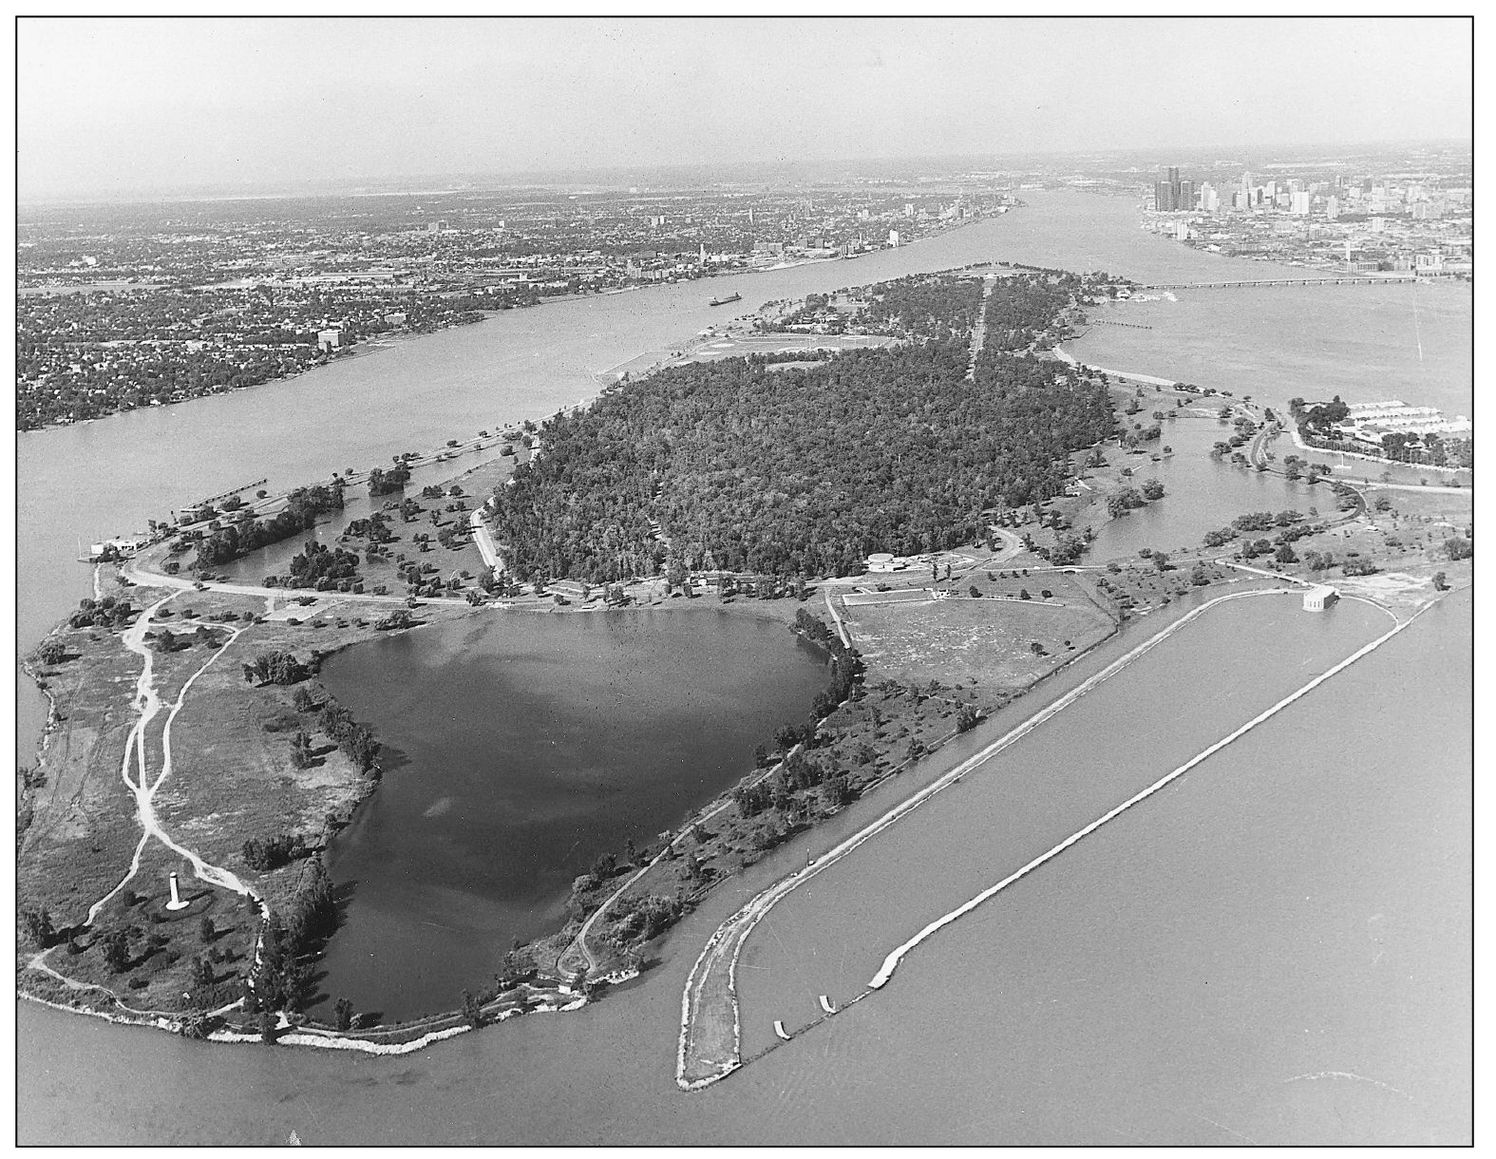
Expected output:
{"points": [[727, 465]]}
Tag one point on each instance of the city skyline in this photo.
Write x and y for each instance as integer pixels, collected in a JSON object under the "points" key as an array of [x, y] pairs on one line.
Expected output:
{"points": [[249, 104]]}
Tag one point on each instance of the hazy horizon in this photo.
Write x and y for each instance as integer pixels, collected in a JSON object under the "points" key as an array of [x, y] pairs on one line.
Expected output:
{"points": [[112, 108]]}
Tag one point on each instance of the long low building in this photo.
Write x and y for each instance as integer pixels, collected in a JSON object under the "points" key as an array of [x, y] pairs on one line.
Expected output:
{"points": [[1369, 421]]}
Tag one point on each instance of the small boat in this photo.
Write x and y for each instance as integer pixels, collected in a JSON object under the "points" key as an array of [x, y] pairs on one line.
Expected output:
{"points": [[780, 1030], [726, 300]]}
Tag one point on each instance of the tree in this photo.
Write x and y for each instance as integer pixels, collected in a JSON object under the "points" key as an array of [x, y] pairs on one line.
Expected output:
{"points": [[205, 929], [1285, 554], [343, 1014], [37, 925], [52, 652], [1161, 561], [201, 971], [1457, 547], [117, 950], [472, 1010], [301, 750], [1440, 583], [1152, 489]]}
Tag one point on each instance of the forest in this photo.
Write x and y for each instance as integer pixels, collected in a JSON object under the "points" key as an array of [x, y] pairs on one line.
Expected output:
{"points": [[728, 466]]}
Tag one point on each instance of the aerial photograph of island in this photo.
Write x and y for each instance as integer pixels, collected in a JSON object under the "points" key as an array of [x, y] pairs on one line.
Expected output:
{"points": [[757, 581]]}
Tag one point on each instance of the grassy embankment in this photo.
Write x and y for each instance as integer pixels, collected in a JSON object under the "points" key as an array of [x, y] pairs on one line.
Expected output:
{"points": [[232, 779]]}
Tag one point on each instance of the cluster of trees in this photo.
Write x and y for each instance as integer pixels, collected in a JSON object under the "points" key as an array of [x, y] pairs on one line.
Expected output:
{"points": [[37, 926], [1290, 524], [1121, 502], [355, 740], [376, 529], [779, 792], [275, 668], [318, 566], [1320, 417], [799, 472], [303, 506], [168, 641], [923, 306], [107, 612], [846, 665], [282, 978], [267, 853], [801, 772], [638, 919], [383, 482]]}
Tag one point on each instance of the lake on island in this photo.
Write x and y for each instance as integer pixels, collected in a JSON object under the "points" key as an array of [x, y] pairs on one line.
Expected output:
{"points": [[1150, 990], [529, 744]]}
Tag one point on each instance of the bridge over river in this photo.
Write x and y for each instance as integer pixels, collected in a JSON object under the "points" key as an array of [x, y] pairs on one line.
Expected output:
{"points": [[1350, 280]]}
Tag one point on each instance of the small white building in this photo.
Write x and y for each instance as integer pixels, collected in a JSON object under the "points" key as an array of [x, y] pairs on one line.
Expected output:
{"points": [[329, 340], [1319, 597]]}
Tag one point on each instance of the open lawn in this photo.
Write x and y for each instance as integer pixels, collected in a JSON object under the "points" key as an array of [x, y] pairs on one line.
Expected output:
{"points": [[232, 778], [990, 641]]}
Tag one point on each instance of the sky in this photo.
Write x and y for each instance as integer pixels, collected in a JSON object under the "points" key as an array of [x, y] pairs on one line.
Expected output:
{"points": [[108, 106]]}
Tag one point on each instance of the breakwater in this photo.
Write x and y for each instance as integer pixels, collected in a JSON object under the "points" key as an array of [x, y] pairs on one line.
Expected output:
{"points": [[1348, 281], [710, 1040]]}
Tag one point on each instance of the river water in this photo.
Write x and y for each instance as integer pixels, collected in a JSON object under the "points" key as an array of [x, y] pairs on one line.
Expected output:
{"points": [[1356, 798]]}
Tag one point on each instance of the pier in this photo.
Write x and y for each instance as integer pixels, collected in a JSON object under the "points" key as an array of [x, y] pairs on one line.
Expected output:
{"points": [[231, 491]]}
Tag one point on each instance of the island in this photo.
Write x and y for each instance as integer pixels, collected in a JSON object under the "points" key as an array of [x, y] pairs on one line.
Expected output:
{"points": [[911, 476]]}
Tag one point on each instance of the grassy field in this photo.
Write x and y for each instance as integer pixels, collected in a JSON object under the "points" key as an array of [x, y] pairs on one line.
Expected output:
{"points": [[986, 641], [232, 779]]}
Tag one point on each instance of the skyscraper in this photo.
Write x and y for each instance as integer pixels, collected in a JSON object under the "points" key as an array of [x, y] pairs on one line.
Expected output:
{"points": [[1172, 195]]}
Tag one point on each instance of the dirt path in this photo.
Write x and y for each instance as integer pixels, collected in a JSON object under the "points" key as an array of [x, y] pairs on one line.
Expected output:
{"points": [[135, 771]]}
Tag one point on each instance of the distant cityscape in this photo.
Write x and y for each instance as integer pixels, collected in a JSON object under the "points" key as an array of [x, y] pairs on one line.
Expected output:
{"points": [[1414, 220], [130, 305]]}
